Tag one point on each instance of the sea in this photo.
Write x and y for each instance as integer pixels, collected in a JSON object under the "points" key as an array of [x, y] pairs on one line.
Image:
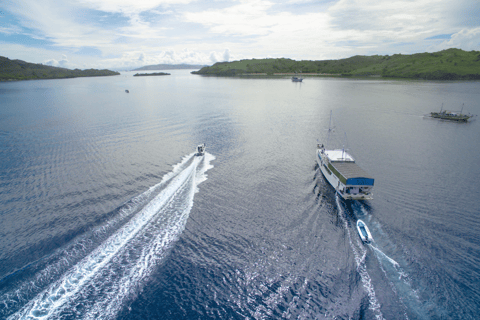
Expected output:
{"points": [[107, 213]]}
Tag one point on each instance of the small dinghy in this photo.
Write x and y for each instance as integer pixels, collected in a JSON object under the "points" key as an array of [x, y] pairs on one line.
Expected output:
{"points": [[201, 149], [363, 232]]}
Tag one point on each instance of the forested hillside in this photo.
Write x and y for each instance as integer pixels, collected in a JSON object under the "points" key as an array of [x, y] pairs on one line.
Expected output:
{"points": [[21, 70], [451, 64]]}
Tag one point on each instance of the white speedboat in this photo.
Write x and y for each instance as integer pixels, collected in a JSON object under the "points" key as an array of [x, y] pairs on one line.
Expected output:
{"points": [[339, 168], [363, 232], [201, 149]]}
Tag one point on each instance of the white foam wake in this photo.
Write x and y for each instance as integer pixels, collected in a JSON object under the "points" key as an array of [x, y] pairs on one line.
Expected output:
{"points": [[98, 285], [360, 255]]}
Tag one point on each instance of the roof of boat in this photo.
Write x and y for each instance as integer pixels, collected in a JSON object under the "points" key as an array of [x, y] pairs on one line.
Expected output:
{"points": [[351, 170], [338, 155]]}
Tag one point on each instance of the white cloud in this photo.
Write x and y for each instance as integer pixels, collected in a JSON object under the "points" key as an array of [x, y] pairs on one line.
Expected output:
{"points": [[195, 31], [63, 63], [128, 6], [467, 39], [226, 55]]}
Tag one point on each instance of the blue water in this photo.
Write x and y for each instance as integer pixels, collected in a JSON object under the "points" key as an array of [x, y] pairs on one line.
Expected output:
{"points": [[106, 212]]}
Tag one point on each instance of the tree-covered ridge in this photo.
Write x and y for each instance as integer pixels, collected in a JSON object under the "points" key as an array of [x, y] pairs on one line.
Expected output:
{"points": [[21, 70], [451, 64]]}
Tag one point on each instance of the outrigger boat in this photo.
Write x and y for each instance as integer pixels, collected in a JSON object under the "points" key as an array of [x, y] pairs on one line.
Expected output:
{"points": [[201, 149], [450, 115], [339, 168], [363, 232]]}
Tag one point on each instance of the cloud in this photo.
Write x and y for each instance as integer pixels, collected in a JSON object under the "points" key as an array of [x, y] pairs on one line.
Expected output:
{"points": [[111, 33], [226, 55], [9, 30], [467, 39], [129, 7], [63, 63], [220, 56]]}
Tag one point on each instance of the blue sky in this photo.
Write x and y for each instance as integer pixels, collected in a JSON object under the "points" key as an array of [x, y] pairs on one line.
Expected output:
{"points": [[124, 34]]}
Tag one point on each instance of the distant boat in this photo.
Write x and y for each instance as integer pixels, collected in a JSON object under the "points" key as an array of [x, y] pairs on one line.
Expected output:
{"points": [[363, 232], [339, 168], [127, 91], [201, 149], [296, 78], [450, 115]]}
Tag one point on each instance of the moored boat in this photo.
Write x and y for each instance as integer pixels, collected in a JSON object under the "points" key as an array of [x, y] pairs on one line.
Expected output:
{"points": [[363, 232], [340, 170], [450, 115], [296, 78], [201, 149]]}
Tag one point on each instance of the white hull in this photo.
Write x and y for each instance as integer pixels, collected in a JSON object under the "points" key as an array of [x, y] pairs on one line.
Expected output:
{"points": [[347, 192], [363, 232]]}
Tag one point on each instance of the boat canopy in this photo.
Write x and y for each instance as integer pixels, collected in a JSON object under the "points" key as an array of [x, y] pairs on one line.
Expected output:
{"points": [[338, 155], [350, 173]]}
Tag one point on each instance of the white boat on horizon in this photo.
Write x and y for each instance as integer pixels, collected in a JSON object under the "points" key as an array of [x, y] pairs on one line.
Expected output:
{"points": [[340, 170], [363, 232]]}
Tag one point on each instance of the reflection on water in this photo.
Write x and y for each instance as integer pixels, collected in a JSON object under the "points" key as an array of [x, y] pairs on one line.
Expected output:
{"points": [[265, 236]]}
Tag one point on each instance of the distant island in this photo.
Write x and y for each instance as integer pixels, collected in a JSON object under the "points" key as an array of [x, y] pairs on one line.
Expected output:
{"points": [[169, 67], [151, 74], [450, 64], [11, 70]]}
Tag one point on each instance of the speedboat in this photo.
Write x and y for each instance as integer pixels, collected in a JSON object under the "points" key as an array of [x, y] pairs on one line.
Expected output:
{"points": [[363, 232], [201, 149]]}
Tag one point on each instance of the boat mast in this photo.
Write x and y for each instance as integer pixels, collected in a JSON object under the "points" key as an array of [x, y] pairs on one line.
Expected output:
{"points": [[330, 129]]}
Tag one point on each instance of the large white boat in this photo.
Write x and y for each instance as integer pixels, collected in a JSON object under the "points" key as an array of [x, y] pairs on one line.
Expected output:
{"points": [[339, 168]]}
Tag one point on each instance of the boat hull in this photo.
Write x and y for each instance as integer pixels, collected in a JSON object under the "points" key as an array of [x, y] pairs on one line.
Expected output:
{"points": [[446, 116], [364, 232], [335, 182]]}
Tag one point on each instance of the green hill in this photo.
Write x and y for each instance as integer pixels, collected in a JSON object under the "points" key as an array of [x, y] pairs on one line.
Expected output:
{"points": [[451, 64], [21, 70]]}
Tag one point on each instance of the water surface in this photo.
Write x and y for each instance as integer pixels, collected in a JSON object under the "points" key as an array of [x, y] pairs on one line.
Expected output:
{"points": [[106, 212]]}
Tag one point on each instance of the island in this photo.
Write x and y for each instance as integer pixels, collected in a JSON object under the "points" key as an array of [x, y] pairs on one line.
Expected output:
{"points": [[12, 70], [151, 74], [450, 64]]}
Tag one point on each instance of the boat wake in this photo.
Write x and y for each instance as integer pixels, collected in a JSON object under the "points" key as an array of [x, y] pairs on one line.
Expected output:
{"points": [[360, 254], [398, 278], [100, 284]]}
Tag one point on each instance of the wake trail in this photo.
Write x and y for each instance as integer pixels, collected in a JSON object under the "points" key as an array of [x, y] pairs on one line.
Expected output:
{"points": [[360, 254], [106, 278], [381, 253], [399, 280]]}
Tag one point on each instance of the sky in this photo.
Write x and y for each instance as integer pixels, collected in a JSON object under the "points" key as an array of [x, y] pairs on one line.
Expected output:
{"points": [[125, 34]]}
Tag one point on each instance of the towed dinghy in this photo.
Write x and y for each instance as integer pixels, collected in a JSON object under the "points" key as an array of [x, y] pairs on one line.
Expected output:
{"points": [[363, 232], [201, 149]]}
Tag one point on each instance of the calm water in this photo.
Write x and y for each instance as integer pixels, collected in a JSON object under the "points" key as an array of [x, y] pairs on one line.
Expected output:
{"points": [[107, 214]]}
